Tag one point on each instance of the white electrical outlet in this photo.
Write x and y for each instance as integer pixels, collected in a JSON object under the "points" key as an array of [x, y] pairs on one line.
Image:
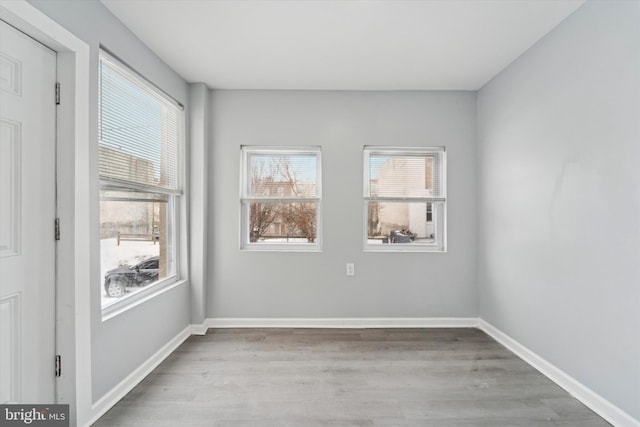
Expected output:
{"points": [[351, 269]]}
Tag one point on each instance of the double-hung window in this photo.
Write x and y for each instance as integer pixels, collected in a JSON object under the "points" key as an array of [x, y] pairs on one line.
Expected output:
{"points": [[405, 198], [141, 139], [280, 198]]}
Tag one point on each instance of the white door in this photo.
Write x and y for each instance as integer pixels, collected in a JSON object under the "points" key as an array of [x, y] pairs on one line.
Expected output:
{"points": [[27, 214]]}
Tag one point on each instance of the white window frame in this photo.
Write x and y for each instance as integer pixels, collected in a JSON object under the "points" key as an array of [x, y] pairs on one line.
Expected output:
{"points": [[246, 199], [174, 198], [439, 203]]}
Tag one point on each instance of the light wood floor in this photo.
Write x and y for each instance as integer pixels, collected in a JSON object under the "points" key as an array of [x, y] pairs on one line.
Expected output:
{"points": [[346, 377]]}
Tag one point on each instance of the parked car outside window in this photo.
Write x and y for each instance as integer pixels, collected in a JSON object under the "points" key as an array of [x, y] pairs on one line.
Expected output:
{"points": [[142, 274]]}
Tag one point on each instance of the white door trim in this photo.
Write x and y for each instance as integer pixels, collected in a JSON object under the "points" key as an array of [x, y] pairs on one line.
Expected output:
{"points": [[73, 316]]}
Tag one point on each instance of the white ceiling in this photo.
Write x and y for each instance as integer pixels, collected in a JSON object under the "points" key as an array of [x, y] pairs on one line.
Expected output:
{"points": [[340, 44]]}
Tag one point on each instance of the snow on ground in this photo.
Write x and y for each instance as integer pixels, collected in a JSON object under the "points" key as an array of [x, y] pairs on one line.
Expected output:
{"points": [[128, 253]]}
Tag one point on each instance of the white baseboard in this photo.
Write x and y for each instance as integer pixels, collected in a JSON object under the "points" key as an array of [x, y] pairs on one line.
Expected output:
{"points": [[199, 329], [588, 397], [356, 322], [125, 386]]}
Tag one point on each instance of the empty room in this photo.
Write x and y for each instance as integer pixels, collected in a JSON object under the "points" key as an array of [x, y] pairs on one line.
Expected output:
{"points": [[320, 213]]}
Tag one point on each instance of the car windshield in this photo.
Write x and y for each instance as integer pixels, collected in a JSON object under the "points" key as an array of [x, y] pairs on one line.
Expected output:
{"points": [[149, 264]]}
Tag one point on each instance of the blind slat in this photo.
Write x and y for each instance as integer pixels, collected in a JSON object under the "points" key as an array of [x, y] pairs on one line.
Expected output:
{"points": [[401, 175]]}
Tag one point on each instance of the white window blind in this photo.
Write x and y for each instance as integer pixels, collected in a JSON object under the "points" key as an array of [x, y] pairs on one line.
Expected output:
{"points": [[139, 131], [404, 174], [285, 175]]}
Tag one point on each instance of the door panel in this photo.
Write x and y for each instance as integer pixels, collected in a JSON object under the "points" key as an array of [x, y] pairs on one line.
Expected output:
{"points": [[27, 213]]}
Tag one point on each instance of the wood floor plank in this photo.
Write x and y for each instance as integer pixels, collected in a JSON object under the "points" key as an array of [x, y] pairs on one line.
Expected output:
{"points": [[346, 377]]}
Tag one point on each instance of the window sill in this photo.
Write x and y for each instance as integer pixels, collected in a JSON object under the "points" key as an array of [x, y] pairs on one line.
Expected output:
{"points": [[280, 248], [399, 248], [115, 309]]}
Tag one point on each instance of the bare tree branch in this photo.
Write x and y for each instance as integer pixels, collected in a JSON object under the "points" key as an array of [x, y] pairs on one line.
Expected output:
{"points": [[279, 179]]}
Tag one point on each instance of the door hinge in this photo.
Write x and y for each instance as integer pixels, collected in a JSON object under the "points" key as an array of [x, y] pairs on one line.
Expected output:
{"points": [[57, 93], [58, 365], [56, 230]]}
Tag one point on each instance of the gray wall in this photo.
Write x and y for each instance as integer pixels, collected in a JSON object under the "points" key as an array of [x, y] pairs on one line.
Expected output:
{"points": [[559, 200], [123, 343], [199, 145], [314, 285]]}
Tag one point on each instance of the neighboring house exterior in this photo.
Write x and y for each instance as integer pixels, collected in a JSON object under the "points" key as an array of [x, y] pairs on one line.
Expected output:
{"points": [[414, 177]]}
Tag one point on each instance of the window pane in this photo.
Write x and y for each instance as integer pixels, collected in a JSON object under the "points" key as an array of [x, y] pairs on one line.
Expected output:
{"points": [[403, 175], [136, 242], [401, 222], [282, 175], [274, 222]]}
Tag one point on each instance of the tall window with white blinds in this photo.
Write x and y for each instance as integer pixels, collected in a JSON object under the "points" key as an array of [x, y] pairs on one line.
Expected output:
{"points": [[141, 141], [404, 198]]}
